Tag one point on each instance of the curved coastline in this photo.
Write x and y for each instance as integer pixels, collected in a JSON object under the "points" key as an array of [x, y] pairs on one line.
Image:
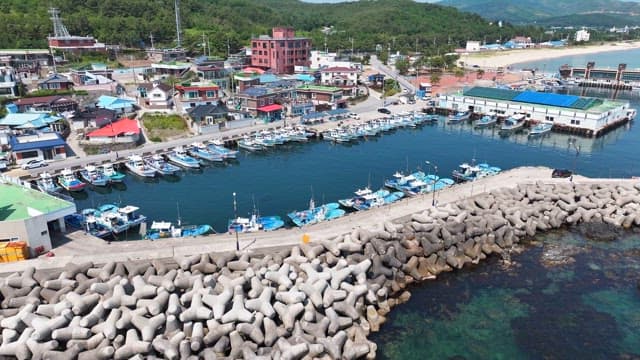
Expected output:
{"points": [[318, 299], [508, 58]]}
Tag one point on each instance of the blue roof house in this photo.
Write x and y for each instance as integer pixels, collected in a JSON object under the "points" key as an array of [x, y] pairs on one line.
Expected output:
{"points": [[41, 146], [32, 121], [119, 105]]}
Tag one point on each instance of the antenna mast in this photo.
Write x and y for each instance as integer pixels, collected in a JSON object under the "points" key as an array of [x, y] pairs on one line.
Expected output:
{"points": [[178, 26]]}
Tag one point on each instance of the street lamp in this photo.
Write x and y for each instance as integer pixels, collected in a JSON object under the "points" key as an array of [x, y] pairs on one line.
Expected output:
{"points": [[235, 215], [435, 177]]}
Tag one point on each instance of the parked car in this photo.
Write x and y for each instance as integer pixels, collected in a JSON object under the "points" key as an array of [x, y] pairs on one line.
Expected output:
{"points": [[561, 173], [4, 164], [384, 110], [354, 116], [32, 164]]}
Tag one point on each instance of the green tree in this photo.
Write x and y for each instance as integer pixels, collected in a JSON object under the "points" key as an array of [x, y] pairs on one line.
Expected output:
{"points": [[402, 65], [435, 78]]}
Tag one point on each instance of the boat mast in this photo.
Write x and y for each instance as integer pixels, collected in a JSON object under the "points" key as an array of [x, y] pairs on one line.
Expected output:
{"points": [[178, 210]]}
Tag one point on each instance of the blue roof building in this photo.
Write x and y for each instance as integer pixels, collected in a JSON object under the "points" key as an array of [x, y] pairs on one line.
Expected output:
{"points": [[42, 146], [119, 105], [35, 120]]}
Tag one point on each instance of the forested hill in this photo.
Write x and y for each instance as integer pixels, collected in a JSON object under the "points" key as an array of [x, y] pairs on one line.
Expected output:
{"points": [[401, 24], [554, 12]]}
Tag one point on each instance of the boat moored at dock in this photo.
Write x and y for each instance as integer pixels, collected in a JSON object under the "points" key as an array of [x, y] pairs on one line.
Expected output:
{"points": [[472, 172], [69, 181], [180, 157], [92, 176], [459, 117], [540, 129], [136, 165], [316, 214], [200, 150], [255, 223], [165, 229], [486, 121], [159, 164], [46, 184], [113, 175], [513, 123], [223, 151]]}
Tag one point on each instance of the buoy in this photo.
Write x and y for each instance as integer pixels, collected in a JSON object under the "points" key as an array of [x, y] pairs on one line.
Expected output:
{"points": [[306, 238]]}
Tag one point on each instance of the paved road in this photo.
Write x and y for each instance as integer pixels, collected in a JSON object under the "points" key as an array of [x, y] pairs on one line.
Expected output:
{"points": [[380, 67]]}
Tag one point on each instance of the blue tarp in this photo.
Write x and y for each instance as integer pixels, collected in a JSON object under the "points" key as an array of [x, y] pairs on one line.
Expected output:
{"points": [[550, 99]]}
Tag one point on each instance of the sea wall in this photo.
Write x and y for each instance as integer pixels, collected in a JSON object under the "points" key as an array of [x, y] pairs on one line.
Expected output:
{"points": [[315, 300]]}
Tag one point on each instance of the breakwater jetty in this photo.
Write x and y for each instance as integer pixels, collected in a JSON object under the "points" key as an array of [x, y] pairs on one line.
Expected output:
{"points": [[318, 299]]}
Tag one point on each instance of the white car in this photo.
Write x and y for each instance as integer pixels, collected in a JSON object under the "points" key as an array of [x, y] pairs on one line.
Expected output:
{"points": [[32, 164]]}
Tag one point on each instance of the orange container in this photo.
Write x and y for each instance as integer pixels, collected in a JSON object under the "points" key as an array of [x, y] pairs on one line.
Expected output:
{"points": [[13, 251]]}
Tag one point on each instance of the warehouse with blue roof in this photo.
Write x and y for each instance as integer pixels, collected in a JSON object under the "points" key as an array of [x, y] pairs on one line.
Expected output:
{"points": [[571, 113]]}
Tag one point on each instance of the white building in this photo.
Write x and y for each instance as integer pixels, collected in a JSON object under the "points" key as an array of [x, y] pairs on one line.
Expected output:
{"points": [[473, 46], [321, 59], [8, 84], [589, 116], [582, 35]]}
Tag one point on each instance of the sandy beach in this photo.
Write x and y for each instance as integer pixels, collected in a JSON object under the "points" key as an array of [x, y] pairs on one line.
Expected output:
{"points": [[507, 58]]}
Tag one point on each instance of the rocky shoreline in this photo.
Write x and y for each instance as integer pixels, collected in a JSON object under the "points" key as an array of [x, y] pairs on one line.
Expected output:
{"points": [[315, 300]]}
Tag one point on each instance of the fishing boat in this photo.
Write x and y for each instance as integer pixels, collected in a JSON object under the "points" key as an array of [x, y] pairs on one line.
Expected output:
{"points": [[113, 175], [87, 221], [159, 164], [255, 223], [393, 197], [136, 165], [365, 199], [250, 145], [400, 180], [91, 175], [69, 181], [472, 172], [200, 150], [513, 123], [46, 184], [109, 216], [179, 157], [459, 117], [226, 153], [316, 214], [165, 229], [486, 121], [540, 129]]}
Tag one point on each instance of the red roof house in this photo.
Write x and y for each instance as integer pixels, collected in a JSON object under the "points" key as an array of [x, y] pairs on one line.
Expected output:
{"points": [[121, 131]]}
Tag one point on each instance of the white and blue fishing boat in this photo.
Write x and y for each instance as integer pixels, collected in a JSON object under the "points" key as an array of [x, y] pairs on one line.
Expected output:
{"points": [[486, 121], [400, 180], [88, 222], [136, 165], [316, 214], [488, 170], [200, 150], [92, 176], [179, 157], [108, 216], [255, 223], [365, 199], [46, 184], [226, 153], [69, 181], [443, 183], [513, 123], [165, 229], [113, 175], [393, 197], [459, 117], [540, 129], [250, 145], [472, 172], [159, 164]]}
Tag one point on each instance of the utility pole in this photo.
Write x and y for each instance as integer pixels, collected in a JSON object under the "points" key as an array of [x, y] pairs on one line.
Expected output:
{"points": [[151, 38], [351, 46]]}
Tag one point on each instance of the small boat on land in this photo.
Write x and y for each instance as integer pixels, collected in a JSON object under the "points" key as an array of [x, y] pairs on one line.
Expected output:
{"points": [[91, 175], [113, 175], [69, 181], [159, 164], [179, 157], [486, 121], [201, 151], [513, 123], [136, 165], [255, 223], [165, 229], [316, 214], [46, 184], [540, 129], [459, 117]]}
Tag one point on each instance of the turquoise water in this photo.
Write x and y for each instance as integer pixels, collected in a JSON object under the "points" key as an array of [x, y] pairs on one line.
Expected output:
{"points": [[586, 309], [602, 60]]}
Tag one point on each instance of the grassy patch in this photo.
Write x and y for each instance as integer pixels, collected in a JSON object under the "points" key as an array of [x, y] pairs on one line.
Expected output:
{"points": [[162, 127]]}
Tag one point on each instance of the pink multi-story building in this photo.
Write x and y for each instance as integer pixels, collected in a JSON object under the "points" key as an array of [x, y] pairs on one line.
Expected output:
{"points": [[280, 52]]}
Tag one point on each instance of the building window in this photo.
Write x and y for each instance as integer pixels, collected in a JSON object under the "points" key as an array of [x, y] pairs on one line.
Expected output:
{"points": [[43, 233], [211, 93], [29, 154]]}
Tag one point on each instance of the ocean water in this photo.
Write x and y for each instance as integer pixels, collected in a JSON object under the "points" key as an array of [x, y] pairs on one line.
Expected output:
{"points": [[602, 60], [584, 309]]}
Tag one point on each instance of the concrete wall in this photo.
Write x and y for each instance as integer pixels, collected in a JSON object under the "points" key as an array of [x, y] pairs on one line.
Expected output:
{"points": [[33, 231]]}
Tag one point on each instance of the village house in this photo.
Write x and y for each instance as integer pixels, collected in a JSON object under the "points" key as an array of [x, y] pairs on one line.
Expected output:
{"points": [[323, 97], [247, 78], [121, 131], [342, 77], [33, 121], [52, 103], [155, 96], [26, 63], [264, 102], [208, 118], [40, 146], [196, 94], [94, 117], [55, 82], [163, 70], [8, 82], [119, 105], [94, 74]]}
